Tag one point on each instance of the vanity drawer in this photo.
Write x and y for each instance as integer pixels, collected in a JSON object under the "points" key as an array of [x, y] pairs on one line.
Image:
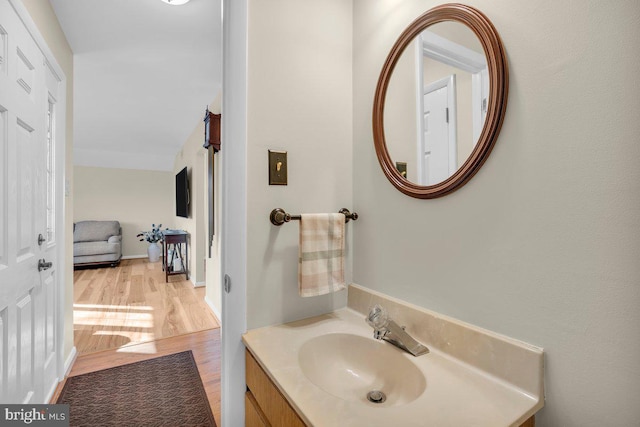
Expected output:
{"points": [[253, 416], [270, 402]]}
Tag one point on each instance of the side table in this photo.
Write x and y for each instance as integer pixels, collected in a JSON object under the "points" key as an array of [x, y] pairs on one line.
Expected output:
{"points": [[177, 239]]}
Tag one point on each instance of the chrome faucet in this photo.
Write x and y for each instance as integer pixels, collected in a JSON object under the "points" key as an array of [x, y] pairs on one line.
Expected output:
{"points": [[384, 328]]}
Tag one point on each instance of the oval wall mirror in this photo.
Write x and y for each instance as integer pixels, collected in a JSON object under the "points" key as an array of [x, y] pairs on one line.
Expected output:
{"points": [[440, 101]]}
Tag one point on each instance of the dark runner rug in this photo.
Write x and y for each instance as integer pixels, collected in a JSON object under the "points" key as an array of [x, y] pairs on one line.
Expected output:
{"points": [[165, 391]]}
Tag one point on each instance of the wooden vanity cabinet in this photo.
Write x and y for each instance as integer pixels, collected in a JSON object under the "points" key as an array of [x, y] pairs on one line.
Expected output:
{"points": [[265, 406], [531, 422]]}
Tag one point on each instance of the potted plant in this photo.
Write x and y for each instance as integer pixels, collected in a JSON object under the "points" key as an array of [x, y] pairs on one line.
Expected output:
{"points": [[153, 237]]}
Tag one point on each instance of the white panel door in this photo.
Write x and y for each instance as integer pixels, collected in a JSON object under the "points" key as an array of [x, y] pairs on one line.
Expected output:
{"points": [[435, 147], [27, 296]]}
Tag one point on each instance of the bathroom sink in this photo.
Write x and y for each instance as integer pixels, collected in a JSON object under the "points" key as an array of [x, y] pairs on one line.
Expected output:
{"points": [[325, 366], [350, 366]]}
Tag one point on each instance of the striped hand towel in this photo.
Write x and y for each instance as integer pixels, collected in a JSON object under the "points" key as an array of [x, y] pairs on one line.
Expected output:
{"points": [[321, 261]]}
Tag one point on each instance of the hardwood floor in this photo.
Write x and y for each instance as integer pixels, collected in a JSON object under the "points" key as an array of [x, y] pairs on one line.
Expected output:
{"points": [[132, 303], [205, 346]]}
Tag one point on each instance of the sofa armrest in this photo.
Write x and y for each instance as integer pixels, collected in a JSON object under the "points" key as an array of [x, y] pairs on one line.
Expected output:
{"points": [[114, 239]]}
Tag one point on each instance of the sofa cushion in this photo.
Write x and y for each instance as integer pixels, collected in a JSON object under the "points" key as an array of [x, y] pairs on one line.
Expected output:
{"points": [[95, 248], [91, 231]]}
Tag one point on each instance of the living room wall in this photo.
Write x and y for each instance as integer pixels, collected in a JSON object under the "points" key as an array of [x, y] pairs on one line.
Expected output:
{"points": [[203, 269], [193, 157], [136, 198]]}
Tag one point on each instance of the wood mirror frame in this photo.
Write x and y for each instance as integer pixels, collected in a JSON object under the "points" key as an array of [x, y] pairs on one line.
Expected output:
{"points": [[497, 102]]}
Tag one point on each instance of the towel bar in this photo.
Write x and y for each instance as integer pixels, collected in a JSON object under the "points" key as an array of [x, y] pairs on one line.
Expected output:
{"points": [[279, 216]]}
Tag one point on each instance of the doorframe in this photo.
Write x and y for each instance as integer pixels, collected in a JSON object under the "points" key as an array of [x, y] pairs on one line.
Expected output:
{"points": [[60, 168], [233, 215], [444, 50]]}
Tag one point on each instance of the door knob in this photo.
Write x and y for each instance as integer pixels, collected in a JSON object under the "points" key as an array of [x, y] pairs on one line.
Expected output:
{"points": [[43, 265]]}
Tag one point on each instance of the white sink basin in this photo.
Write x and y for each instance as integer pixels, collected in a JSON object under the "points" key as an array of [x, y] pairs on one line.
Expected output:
{"points": [[349, 366]]}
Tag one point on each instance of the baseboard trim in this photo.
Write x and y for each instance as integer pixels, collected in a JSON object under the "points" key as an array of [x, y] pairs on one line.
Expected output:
{"points": [[134, 256], [213, 308], [68, 364], [52, 392], [197, 284]]}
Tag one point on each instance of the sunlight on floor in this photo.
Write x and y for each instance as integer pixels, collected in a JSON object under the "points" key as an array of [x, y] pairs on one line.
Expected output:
{"points": [[107, 319], [113, 307], [123, 324], [128, 316], [135, 338]]}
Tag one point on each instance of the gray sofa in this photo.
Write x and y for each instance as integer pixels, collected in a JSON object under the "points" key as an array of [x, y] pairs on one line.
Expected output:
{"points": [[97, 242]]}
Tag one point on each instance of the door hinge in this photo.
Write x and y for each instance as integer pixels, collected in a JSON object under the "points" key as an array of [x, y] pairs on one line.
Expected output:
{"points": [[447, 113]]}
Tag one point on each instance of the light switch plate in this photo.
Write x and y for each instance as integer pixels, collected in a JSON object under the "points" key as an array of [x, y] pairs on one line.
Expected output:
{"points": [[277, 167], [402, 168]]}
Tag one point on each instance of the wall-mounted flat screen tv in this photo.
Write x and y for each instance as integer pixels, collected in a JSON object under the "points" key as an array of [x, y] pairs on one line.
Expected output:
{"points": [[182, 194]]}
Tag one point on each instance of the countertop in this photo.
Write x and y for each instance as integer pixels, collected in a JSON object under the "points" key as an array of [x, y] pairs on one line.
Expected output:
{"points": [[456, 393]]}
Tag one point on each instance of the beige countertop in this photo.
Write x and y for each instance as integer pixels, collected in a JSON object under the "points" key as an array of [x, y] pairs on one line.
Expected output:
{"points": [[456, 393]]}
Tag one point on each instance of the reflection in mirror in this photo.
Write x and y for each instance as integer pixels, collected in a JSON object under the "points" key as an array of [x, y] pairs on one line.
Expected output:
{"points": [[436, 103]]}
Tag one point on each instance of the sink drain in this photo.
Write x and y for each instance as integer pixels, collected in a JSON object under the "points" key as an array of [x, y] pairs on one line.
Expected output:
{"points": [[376, 396]]}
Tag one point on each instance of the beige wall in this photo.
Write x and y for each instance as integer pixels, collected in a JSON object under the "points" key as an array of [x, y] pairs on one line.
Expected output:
{"points": [[543, 243], [401, 127], [299, 101], [194, 157], [45, 19], [212, 270], [136, 198]]}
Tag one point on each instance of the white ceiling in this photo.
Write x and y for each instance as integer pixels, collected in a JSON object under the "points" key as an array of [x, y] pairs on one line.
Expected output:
{"points": [[144, 71]]}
